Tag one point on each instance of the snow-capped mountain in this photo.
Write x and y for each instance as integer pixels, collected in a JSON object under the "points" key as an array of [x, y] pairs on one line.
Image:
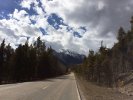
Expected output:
{"points": [[69, 57]]}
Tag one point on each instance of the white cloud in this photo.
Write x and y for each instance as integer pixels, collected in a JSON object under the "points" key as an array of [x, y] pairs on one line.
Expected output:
{"points": [[27, 3], [102, 18], [101, 5]]}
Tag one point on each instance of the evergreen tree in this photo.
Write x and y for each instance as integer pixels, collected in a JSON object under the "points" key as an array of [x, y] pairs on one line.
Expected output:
{"points": [[2, 59], [121, 34]]}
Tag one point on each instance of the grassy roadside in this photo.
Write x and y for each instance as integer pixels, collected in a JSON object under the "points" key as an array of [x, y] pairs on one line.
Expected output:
{"points": [[94, 92]]}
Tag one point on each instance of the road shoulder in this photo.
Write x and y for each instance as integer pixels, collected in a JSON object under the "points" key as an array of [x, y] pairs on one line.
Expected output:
{"points": [[79, 90]]}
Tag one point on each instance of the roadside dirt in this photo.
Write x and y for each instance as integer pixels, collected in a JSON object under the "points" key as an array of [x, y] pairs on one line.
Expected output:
{"points": [[127, 89], [94, 92]]}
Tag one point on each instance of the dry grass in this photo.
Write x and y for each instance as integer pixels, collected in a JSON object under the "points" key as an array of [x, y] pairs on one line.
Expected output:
{"points": [[94, 92]]}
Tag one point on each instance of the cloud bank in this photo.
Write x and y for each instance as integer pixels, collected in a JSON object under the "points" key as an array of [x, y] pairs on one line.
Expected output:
{"points": [[77, 25]]}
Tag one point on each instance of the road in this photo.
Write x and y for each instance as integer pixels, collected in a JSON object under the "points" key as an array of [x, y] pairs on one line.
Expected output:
{"points": [[60, 88]]}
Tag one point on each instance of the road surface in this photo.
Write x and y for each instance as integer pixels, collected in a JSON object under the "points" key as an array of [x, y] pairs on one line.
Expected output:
{"points": [[60, 88]]}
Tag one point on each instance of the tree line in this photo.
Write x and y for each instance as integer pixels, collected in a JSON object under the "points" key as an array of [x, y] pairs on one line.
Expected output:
{"points": [[105, 66], [28, 62]]}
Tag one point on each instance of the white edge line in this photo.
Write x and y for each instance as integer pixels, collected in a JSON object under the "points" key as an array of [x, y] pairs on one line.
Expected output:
{"points": [[79, 97]]}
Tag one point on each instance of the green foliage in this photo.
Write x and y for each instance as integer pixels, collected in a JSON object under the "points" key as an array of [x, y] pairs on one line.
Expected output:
{"points": [[28, 63], [121, 34]]}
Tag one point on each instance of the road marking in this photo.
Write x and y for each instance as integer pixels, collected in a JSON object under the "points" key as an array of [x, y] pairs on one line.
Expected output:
{"points": [[78, 92], [44, 87], [79, 96]]}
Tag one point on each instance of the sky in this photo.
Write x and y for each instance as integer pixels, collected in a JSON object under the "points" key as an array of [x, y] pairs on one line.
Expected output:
{"points": [[76, 25]]}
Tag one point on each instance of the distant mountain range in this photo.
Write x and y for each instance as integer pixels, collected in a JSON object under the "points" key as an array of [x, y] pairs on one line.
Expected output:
{"points": [[69, 57]]}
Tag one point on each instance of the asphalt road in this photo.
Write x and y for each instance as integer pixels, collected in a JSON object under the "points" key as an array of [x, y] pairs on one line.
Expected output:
{"points": [[60, 88]]}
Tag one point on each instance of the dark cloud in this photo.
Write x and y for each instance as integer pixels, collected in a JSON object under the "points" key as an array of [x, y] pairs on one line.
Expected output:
{"points": [[106, 17]]}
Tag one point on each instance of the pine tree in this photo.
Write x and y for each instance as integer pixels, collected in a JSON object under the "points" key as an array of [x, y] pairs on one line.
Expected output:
{"points": [[131, 21], [2, 59], [121, 34], [7, 69]]}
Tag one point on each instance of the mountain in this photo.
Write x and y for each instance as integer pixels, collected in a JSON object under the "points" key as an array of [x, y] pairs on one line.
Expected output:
{"points": [[69, 57]]}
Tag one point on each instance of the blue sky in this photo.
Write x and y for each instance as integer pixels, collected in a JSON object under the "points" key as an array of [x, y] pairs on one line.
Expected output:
{"points": [[8, 5], [77, 25]]}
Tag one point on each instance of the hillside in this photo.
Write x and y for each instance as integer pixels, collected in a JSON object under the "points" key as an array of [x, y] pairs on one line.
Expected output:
{"points": [[110, 66], [68, 57]]}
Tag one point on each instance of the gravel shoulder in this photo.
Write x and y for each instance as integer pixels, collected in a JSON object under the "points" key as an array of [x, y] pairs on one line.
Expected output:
{"points": [[95, 92]]}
